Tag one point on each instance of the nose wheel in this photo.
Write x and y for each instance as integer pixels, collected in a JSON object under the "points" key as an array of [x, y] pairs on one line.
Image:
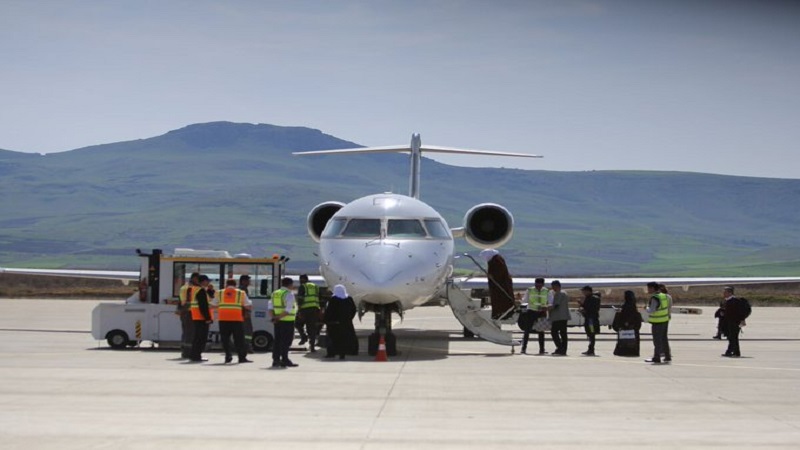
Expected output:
{"points": [[383, 327]]}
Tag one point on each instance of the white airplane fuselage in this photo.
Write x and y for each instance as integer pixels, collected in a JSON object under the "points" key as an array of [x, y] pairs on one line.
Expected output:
{"points": [[393, 264]]}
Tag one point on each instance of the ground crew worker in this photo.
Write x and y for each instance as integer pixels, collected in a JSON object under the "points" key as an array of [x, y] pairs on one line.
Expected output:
{"points": [[537, 298], [185, 295], [307, 323], [244, 285], [231, 304], [659, 319], [282, 311], [201, 318]]}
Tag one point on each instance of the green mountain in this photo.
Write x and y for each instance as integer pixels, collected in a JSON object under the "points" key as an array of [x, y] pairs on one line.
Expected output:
{"points": [[237, 187]]}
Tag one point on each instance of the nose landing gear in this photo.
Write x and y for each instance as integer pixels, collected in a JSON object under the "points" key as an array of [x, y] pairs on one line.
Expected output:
{"points": [[383, 327]]}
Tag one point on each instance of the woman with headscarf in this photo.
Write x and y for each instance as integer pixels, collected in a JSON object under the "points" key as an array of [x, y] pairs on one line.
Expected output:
{"points": [[627, 323], [501, 287], [339, 314]]}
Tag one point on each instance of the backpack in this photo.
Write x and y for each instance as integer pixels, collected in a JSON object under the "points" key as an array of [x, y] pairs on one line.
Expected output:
{"points": [[745, 306]]}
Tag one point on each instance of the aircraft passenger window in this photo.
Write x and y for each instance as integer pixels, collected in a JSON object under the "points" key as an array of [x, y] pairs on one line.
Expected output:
{"points": [[405, 228], [363, 228], [436, 228], [334, 228]]}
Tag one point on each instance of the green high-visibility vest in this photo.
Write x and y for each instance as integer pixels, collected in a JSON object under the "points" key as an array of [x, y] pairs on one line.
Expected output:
{"points": [[311, 298], [660, 315], [537, 299], [279, 305]]}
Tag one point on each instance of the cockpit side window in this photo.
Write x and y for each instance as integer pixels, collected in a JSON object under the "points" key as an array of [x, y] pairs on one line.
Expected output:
{"points": [[334, 228], [405, 228], [436, 229], [363, 228]]}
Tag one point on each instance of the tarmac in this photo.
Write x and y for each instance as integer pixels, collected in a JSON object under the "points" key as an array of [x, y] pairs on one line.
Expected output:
{"points": [[62, 389]]}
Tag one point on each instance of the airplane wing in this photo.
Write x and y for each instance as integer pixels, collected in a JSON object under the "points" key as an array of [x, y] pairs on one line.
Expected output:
{"points": [[123, 276], [600, 283], [98, 274]]}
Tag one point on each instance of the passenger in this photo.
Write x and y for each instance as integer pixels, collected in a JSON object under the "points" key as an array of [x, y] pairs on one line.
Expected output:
{"points": [[501, 287], [307, 322], [720, 316], [231, 305], [282, 311], [244, 286], [734, 319], [186, 294], [339, 314], [659, 319], [559, 316], [201, 319], [627, 323], [537, 298], [590, 308]]}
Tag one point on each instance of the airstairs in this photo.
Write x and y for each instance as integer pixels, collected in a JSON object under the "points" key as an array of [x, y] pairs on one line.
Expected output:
{"points": [[476, 319]]}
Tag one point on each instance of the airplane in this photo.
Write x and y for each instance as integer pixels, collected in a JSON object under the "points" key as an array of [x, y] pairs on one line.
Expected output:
{"points": [[394, 252]]}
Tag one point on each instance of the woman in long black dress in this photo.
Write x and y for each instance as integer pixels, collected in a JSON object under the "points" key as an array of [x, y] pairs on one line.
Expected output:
{"points": [[627, 323], [339, 314]]}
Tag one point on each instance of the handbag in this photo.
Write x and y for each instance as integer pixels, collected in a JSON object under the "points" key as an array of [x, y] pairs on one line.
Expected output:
{"points": [[627, 334], [541, 325]]}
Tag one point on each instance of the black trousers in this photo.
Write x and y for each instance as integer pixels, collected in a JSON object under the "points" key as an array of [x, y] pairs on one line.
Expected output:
{"points": [[591, 327], [199, 340], [526, 332], [733, 331], [558, 330], [187, 333], [308, 324], [236, 330], [661, 340], [284, 333]]}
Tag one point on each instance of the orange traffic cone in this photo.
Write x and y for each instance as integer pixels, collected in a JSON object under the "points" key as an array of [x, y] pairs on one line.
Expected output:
{"points": [[381, 355]]}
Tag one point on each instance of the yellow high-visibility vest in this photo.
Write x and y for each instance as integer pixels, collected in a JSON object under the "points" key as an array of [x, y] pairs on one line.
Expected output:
{"points": [[537, 299], [311, 298], [660, 315], [279, 305]]}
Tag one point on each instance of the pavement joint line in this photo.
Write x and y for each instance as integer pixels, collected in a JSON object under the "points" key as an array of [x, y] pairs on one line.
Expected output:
{"points": [[388, 394]]}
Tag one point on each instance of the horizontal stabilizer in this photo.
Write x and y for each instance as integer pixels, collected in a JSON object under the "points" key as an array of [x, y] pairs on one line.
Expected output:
{"points": [[423, 149]]}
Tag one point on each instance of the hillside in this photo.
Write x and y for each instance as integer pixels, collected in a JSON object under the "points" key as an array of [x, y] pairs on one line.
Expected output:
{"points": [[236, 186]]}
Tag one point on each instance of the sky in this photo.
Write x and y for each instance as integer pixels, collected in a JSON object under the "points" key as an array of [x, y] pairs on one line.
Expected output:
{"points": [[702, 86]]}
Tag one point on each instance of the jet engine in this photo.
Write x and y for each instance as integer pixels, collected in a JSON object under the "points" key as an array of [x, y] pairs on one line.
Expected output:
{"points": [[488, 225], [319, 217]]}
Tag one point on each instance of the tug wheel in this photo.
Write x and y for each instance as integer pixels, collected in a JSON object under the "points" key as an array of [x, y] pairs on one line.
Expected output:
{"points": [[117, 339]]}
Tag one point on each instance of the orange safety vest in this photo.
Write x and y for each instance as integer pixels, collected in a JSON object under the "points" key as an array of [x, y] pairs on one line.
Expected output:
{"points": [[231, 302], [195, 305]]}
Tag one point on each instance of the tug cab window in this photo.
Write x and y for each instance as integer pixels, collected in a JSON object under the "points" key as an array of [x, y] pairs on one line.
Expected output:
{"points": [[334, 228], [405, 228], [436, 229], [363, 228]]}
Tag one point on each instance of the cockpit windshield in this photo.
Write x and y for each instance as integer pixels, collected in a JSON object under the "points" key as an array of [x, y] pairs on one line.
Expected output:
{"points": [[436, 229], [334, 228], [363, 228], [405, 228]]}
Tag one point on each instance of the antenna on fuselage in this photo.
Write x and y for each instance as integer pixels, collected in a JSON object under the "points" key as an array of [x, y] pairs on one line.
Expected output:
{"points": [[415, 149]]}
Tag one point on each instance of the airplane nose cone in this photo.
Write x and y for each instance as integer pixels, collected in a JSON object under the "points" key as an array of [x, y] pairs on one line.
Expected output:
{"points": [[379, 274]]}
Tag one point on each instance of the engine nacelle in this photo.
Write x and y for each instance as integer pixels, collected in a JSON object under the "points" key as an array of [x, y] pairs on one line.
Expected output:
{"points": [[319, 217], [488, 225]]}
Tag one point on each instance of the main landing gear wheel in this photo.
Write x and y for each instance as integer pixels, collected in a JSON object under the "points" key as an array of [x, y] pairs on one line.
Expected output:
{"points": [[117, 339]]}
